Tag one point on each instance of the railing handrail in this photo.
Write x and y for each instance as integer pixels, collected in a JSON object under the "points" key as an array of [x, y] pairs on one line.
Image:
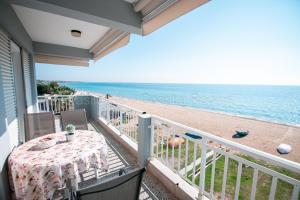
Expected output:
{"points": [[288, 164], [96, 96], [55, 95]]}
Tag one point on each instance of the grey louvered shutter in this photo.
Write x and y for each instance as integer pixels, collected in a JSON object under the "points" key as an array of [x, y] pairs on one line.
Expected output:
{"points": [[7, 77], [27, 77]]}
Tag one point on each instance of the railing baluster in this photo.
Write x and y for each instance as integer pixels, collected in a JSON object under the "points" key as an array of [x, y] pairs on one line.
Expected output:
{"points": [[153, 139], [173, 143], [179, 155], [112, 113], [121, 122], [162, 144], [47, 105], [224, 178], [186, 157], [39, 105], [157, 138], [63, 104], [133, 124], [130, 124], [51, 106], [66, 100], [194, 162], [203, 167], [55, 102], [115, 117], [44, 105], [136, 126], [126, 126], [295, 194], [167, 146], [254, 183], [69, 103], [238, 181], [59, 104], [273, 188], [213, 169]]}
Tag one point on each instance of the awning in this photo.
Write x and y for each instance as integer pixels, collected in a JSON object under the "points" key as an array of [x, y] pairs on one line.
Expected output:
{"points": [[101, 26]]}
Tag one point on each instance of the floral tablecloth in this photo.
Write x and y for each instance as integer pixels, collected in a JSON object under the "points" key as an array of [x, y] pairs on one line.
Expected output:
{"points": [[36, 174]]}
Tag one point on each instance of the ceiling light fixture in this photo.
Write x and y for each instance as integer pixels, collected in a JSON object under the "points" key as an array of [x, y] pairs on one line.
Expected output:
{"points": [[76, 33]]}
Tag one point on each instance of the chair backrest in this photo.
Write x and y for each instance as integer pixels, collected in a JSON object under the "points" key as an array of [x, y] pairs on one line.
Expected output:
{"points": [[38, 124], [75, 117], [126, 186]]}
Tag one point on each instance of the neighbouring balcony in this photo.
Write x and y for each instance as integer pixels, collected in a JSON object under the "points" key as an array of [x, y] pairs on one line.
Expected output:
{"points": [[183, 162]]}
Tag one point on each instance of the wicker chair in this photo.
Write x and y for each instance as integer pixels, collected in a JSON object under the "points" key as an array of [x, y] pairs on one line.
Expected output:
{"points": [[38, 124]]}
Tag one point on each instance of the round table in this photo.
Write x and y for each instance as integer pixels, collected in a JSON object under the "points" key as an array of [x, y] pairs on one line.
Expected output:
{"points": [[36, 174]]}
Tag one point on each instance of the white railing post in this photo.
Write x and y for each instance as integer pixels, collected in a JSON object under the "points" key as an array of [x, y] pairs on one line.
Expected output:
{"points": [[202, 168], [145, 139], [39, 105], [47, 103], [121, 121], [55, 105]]}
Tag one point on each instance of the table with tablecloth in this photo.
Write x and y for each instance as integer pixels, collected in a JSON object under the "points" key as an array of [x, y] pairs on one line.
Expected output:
{"points": [[37, 174]]}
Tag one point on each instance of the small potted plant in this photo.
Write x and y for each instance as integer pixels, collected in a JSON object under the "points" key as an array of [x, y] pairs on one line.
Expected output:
{"points": [[70, 128]]}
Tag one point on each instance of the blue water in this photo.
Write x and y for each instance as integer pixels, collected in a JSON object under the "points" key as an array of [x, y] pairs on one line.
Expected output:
{"points": [[273, 103]]}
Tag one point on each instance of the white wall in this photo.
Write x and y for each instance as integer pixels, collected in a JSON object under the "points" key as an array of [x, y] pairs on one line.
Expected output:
{"points": [[8, 132]]}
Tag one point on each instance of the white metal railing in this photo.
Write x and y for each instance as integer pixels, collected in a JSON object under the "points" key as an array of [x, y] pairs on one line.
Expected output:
{"points": [[55, 103], [220, 168], [217, 167], [122, 117]]}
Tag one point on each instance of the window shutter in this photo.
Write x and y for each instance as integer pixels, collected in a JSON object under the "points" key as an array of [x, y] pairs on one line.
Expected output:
{"points": [[7, 77], [27, 77]]}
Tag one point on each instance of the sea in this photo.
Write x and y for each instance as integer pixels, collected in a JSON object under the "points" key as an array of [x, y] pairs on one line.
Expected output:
{"points": [[279, 104]]}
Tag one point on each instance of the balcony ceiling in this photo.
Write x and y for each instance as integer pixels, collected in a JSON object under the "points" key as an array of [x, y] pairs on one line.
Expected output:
{"points": [[55, 29], [105, 25]]}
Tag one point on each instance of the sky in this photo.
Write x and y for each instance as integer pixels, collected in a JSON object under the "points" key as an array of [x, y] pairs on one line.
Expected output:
{"points": [[221, 42]]}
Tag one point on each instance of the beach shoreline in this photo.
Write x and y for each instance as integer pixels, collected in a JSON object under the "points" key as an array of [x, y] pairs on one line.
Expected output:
{"points": [[81, 92], [264, 135]]}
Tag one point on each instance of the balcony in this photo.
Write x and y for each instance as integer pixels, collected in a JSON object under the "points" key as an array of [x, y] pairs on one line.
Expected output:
{"points": [[118, 156], [187, 163], [182, 162]]}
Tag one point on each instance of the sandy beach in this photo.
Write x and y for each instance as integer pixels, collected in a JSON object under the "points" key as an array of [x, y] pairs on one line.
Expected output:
{"points": [[264, 136]]}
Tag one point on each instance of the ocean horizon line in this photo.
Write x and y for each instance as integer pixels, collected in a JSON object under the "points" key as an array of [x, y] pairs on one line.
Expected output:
{"points": [[179, 83]]}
